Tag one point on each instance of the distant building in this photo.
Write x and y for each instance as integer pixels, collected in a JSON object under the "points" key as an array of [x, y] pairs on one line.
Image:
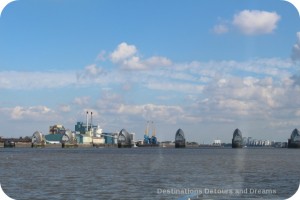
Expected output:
{"points": [[66, 137], [88, 134], [81, 128], [217, 143], [58, 134], [132, 137], [53, 138], [267, 143], [249, 141], [84, 139], [57, 129], [110, 138]]}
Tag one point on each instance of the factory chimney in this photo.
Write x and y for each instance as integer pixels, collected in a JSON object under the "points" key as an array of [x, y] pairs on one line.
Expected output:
{"points": [[91, 121], [87, 121]]}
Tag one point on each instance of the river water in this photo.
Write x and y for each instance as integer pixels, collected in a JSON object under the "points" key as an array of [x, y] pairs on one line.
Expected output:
{"points": [[149, 173]]}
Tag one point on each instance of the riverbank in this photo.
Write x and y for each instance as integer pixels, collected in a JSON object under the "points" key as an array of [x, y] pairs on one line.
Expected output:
{"points": [[28, 145]]}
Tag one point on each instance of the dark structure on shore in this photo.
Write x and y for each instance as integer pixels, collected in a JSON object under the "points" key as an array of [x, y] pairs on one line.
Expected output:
{"points": [[124, 139], [294, 141], [179, 139], [9, 144], [237, 139]]}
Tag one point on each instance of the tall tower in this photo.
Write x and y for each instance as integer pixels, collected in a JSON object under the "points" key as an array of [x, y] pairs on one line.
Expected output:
{"points": [[87, 121]]}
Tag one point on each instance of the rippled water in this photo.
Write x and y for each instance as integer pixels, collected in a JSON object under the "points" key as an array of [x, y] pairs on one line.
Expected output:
{"points": [[149, 173]]}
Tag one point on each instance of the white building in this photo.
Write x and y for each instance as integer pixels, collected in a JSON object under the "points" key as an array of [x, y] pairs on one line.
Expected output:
{"points": [[217, 142]]}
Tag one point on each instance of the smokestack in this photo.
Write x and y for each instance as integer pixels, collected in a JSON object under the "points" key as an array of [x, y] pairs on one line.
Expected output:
{"points": [[87, 121], [91, 120]]}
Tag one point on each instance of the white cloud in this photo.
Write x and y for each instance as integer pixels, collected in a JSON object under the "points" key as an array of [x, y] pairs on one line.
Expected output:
{"points": [[174, 86], [65, 108], [158, 61], [250, 22], [114, 105], [262, 67], [93, 70], [82, 100], [254, 22], [126, 56], [220, 29], [33, 112], [123, 52], [152, 111], [134, 63], [295, 79], [296, 48], [91, 73], [297, 113], [36, 79], [256, 98], [237, 107]]}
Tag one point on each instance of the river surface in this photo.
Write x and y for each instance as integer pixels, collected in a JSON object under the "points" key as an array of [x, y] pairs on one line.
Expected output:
{"points": [[149, 173]]}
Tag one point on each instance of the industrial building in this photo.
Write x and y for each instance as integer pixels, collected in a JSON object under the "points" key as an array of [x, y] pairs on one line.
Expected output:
{"points": [[66, 138], [217, 143], [88, 133], [57, 135], [81, 128], [85, 132], [53, 138], [57, 129], [110, 138]]}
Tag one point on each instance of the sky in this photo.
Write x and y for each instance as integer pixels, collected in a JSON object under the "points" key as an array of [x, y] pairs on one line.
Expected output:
{"points": [[205, 66]]}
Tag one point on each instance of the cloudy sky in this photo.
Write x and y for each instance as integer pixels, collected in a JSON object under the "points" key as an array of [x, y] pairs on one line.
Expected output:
{"points": [[206, 66]]}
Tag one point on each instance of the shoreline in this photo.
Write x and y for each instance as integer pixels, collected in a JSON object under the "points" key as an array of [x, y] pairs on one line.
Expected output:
{"points": [[28, 145]]}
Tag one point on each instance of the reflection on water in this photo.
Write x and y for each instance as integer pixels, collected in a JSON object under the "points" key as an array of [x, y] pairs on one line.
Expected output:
{"points": [[149, 173]]}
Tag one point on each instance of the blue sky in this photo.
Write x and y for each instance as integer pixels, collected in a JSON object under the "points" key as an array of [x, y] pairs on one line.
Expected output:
{"points": [[207, 67]]}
